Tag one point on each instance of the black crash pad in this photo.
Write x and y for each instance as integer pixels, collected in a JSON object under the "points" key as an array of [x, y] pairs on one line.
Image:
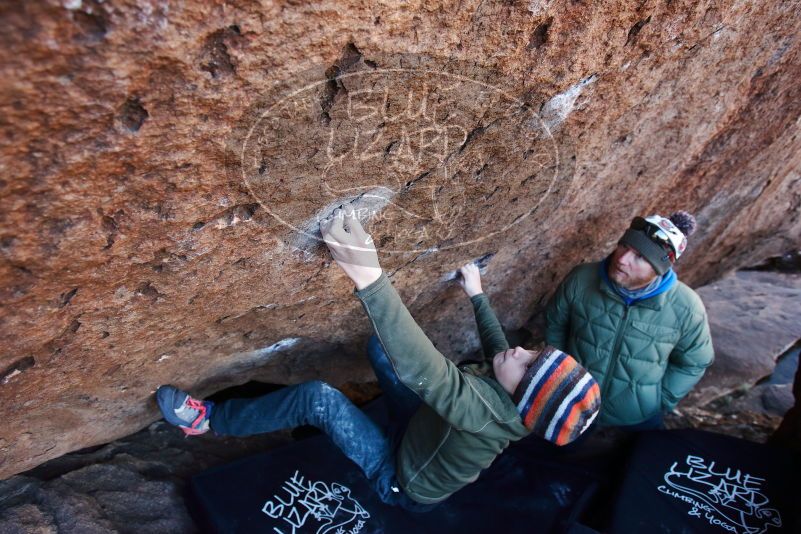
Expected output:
{"points": [[310, 486], [697, 482]]}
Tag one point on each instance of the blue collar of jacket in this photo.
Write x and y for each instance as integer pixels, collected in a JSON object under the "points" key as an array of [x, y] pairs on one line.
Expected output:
{"points": [[668, 281]]}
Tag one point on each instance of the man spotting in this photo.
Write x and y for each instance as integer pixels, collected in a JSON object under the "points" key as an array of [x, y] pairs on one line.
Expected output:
{"points": [[640, 332], [446, 423]]}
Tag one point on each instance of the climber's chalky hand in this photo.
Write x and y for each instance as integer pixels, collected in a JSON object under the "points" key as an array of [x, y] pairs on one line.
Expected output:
{"points": [[351, 247], [470, 279]]}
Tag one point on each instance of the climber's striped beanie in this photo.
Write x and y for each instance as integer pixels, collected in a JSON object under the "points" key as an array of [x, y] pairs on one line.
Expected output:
{"points": [[557, 398]]}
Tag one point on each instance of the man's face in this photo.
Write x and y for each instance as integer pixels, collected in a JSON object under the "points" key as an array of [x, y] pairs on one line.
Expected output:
{"points": [[628, 269], [510, 366]]}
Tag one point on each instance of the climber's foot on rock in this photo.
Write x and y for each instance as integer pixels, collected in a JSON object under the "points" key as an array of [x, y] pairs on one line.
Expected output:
{"points": [[181, 410]]}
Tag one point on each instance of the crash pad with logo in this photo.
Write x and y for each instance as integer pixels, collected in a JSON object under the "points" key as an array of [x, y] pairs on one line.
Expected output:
{"points": [[310, 486], [695, 481]]}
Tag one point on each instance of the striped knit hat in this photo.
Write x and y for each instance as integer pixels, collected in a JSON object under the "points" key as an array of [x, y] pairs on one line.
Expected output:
{"points": [[557, 398]]}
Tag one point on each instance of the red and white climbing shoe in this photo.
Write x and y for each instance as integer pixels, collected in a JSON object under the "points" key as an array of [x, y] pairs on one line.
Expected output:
{"points": [[179, 409]]}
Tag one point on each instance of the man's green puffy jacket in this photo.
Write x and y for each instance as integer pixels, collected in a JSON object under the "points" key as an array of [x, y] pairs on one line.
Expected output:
{"points": [[466, 419], [646, 356]]}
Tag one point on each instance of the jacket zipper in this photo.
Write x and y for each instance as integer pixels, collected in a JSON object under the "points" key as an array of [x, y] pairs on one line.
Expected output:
{"points": [[615, 350]]}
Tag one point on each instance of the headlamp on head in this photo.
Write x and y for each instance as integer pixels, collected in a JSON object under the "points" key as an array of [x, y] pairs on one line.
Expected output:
{"points": [[657, 239], [663, 232]]}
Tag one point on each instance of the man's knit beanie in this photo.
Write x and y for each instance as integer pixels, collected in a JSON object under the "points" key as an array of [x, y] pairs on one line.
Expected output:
{"points": [[660, 240], [557, 398]]}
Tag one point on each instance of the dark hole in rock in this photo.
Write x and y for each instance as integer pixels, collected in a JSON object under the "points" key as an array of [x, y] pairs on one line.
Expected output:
{"points": [[350, 56], [22, 269], [58, 227], [133, 114], [17, 367], [7, 241], [247, 211], [634, 30], [790, 262], [475, 132], [540, 35], [88, 450], [109, 224], [145, 289], [92, 26], [66, 297], [216, 59], [329, 94], [389, 147]]}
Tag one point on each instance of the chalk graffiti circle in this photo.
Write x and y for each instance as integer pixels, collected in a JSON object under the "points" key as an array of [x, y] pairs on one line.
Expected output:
{"points": [[430, 160]]}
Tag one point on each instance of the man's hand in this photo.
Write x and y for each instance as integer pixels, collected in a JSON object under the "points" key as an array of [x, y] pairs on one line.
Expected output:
{"points": [[351, 247], [470, 279]]}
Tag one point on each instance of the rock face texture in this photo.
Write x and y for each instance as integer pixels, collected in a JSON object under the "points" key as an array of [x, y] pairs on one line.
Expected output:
{"points": [[164, 166], [135, 485], [753, 318]]}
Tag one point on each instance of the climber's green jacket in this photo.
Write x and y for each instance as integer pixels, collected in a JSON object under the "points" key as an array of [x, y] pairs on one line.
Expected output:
{"points": [[466, 418], [645, 356]]}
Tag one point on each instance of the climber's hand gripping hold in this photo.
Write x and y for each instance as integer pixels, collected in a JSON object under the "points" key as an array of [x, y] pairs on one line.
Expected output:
{"points": [[352, 248]]}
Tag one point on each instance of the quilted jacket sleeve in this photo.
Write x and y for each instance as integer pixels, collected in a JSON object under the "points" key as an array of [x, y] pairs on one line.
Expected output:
{"points": [[557, 315], [689, 359]]}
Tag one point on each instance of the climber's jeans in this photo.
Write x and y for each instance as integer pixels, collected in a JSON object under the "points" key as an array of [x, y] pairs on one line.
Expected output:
{"points": [[357, 436]]}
